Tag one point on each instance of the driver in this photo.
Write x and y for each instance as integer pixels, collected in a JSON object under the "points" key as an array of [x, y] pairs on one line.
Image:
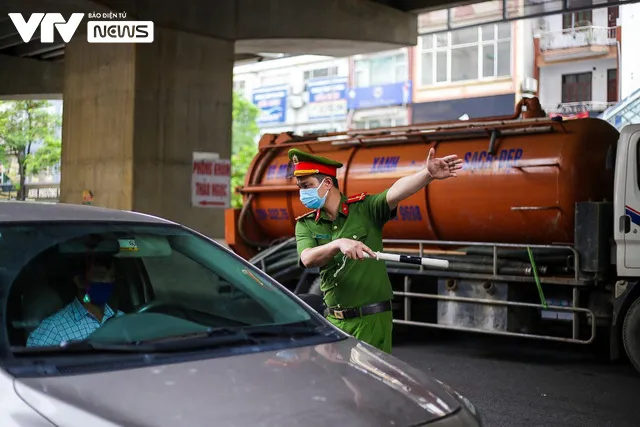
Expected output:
{"points": [[86, 313]]}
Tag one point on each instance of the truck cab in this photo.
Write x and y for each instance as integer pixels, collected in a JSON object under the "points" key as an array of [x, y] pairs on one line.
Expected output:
{"points": [[627, 203]]}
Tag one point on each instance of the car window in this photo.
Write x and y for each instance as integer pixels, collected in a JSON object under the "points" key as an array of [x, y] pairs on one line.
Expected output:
{"points": [[202, 288], [156, 281]]}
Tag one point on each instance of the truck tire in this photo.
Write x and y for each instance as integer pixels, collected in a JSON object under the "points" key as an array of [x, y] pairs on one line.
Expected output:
{"points": [[631, 334]]}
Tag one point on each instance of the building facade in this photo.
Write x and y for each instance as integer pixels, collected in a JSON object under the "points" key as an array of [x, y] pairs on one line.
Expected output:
{"points": [[629, 22], [472, 72], [380, 89], [301, 94], [571, 61], [577, 59]]}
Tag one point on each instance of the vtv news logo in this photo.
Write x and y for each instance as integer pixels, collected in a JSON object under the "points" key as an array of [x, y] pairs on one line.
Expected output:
{"points": [[97, 31]]}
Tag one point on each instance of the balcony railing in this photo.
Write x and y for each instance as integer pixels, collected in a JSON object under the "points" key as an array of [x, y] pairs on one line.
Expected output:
{"points": [[577, 107], [578, 37]]}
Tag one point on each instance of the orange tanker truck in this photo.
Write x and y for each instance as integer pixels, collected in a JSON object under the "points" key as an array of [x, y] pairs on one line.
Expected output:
{"points": [[540, 228]]}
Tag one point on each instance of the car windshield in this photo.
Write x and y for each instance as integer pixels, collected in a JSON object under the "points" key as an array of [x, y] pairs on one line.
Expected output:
{"points": [[125, 284]]}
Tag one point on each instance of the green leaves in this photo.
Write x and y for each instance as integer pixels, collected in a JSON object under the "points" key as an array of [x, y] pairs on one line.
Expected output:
{"points": [[23, 125], [48, 155], [245, 130], [244, 146]]}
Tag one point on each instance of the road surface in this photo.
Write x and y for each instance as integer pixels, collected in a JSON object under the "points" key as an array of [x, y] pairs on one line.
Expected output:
{"points": [[528, 383]]}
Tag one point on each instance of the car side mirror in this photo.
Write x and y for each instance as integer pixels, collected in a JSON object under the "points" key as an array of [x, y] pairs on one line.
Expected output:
{"points": [[314, 301]]}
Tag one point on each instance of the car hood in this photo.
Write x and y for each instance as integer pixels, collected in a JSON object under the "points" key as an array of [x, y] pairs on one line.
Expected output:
{"points": [[341, 383]]}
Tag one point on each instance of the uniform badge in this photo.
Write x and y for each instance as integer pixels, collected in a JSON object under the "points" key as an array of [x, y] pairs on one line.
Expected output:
{"points": [[294, 159]]}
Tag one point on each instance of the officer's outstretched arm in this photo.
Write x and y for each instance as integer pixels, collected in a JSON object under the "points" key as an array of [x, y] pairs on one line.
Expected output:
{"points": [[436, 168], [407, 186]]}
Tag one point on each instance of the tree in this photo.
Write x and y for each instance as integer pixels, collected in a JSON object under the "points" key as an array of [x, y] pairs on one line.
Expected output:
{"points": [[23, 125], [243, 145]]}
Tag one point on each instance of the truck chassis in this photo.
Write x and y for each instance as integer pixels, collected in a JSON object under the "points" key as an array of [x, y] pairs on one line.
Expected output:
{"points": [[410, 283], [563, 293]]}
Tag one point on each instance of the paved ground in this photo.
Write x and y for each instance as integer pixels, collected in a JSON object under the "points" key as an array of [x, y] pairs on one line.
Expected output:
{"points": [[529, 384]]}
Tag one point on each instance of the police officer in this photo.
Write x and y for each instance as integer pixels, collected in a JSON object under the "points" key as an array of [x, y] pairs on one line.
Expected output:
{"points": [[338, 231]]}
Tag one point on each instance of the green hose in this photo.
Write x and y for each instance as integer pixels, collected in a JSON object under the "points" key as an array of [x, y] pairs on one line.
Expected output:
{"points": [[543, 300]]}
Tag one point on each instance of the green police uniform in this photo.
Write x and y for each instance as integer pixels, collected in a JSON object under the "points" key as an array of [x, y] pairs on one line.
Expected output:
{"points": [[347, 283]]}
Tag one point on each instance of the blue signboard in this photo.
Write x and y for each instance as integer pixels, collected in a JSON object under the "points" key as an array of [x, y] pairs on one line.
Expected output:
{"points": [[272, 103], [380, 96], [328, 98]]}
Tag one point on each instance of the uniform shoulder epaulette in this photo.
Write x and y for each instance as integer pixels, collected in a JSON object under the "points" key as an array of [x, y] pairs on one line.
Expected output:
{"points": [[304, 215], [356, 198]]}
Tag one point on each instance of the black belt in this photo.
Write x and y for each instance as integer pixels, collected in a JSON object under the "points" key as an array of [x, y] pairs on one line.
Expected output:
{"points": [[350, 313]]}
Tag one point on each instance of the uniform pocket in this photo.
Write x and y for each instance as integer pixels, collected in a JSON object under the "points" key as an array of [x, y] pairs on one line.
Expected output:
{"points": [[357, 233], [322, 238]]}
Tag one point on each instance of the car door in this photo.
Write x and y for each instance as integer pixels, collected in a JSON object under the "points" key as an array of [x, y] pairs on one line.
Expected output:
{"points": [[627, 207]]}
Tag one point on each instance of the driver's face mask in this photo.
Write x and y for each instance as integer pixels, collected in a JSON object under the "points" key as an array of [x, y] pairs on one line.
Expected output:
{"points": [[99, 287]]}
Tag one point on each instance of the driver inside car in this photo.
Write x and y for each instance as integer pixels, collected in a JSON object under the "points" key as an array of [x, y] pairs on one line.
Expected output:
{"points": [[85, 313]]}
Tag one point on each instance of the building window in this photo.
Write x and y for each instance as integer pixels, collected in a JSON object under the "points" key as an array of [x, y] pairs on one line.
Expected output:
{"points": [[576, 87], [381, 70], [583, 18], [321, 72], [379, 122], [468, 54]]}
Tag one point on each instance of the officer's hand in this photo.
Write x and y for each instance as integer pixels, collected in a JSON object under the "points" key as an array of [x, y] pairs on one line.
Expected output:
{"points": [[354, 249]]}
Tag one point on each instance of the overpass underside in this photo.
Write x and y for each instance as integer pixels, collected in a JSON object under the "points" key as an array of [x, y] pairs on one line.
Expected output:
{"points": [[134, 113]]}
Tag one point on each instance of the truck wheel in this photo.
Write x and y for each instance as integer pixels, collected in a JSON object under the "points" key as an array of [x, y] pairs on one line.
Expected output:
{"points": [[631, 334], [315, 287]]}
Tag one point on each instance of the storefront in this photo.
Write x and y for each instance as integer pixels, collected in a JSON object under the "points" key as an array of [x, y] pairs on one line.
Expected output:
{"points": [[272, 105], [320, 107], [380, 106]]}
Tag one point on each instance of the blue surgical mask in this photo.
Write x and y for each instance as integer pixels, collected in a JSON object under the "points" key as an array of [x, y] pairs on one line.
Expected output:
{"points": [[310, 197], [99, 293]]}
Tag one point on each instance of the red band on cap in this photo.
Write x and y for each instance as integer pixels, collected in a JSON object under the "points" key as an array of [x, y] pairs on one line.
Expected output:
{"points": [[324, 169]]}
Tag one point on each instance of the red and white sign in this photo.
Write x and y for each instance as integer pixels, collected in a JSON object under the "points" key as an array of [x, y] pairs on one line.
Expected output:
{"points": [[210, 181]]}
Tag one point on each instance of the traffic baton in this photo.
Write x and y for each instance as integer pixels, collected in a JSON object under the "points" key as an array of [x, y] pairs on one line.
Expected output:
{"points": [[409, 259]]}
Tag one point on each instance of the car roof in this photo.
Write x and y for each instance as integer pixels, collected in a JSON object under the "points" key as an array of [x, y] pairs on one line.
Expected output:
{"points": [[50, 212]]}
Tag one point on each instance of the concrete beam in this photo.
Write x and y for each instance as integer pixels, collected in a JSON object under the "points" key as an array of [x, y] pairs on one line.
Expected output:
{"points": [[215, 18], [419, 6], [24, 78], [65, 7], [30, 77], [322, 27]]}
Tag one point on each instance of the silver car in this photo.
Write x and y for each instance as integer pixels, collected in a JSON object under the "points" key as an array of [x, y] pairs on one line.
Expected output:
{"points": [[115, 318]]}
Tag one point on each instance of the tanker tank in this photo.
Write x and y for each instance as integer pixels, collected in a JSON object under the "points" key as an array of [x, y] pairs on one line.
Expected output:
{"points": [[519, 183]]}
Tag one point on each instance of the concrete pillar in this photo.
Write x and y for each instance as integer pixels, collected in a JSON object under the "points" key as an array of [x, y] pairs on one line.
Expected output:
{"points": [[133, 115]]}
